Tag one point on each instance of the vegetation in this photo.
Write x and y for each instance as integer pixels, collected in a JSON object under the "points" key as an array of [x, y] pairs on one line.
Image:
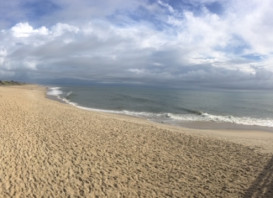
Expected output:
{"points": [[9, 83]]}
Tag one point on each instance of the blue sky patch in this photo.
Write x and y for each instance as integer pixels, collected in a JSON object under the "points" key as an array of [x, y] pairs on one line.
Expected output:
{"points": [[215, 7], [38, 9]]}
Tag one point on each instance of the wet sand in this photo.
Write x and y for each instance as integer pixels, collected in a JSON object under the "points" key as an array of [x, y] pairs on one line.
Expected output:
{"points": [[52, 149]]}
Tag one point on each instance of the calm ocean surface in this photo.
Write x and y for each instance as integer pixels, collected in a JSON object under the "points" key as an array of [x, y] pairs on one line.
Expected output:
{"points": [[174, 106]]}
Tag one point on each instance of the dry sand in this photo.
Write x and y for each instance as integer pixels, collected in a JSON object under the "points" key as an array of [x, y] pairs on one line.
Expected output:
{"points": [[50, 149]]}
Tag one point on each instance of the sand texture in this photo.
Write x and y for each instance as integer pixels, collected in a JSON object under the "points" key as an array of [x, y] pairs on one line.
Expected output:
{"points": [[50, 149]]}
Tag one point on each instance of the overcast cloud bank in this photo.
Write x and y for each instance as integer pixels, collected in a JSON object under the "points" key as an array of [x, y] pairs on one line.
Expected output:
{"points": [[178, 43]]}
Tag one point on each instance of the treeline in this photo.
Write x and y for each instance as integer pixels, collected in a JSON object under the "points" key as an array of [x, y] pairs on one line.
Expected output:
{"points": [[4, 82]]}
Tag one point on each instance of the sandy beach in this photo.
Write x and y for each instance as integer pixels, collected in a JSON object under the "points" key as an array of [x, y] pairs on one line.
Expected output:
{"points": [[52, 149]]}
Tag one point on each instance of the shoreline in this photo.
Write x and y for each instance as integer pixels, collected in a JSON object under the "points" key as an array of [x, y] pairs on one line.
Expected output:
{"points": [[198, 125], [52, 149], [260, 136]]}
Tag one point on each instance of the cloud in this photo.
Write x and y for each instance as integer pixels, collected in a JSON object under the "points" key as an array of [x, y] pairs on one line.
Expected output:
{"points": [[205, 43], [25, 30]]}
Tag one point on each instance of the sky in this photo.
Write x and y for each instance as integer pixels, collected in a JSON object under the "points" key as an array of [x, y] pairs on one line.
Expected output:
{"points": [[180, 43]]}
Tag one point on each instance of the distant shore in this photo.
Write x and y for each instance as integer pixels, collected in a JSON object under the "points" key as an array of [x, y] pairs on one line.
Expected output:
{"points": [[4, 82], [53, 149]]}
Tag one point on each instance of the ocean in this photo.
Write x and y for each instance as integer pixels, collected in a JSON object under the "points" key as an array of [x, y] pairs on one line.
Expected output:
{"points": [[225, 109]]}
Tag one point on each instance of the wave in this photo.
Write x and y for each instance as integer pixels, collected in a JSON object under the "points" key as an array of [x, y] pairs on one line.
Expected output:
{"points": [[191, 111], [190, 116], [68, 94], [206, 117], [55, 91]]}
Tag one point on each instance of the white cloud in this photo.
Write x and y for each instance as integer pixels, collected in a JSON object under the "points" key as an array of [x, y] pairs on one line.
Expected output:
{"points": [[187, 48], [137, 71], [22, 30], [169, 7], [60, 28]]}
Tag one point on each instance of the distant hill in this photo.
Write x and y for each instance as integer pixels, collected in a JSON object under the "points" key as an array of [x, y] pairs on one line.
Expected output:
{"points": [[2, 82]]}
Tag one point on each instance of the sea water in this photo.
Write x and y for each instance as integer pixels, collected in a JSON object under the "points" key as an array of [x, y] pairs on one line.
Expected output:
{"points": [[174, 106]]}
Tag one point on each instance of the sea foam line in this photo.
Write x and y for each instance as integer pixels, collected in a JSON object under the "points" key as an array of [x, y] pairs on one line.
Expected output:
{"points": [[205, 117], [55, 91], [202, 116]]}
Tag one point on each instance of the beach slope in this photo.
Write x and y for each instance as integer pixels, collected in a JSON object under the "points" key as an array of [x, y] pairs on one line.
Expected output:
{"points": [[52, 149]]}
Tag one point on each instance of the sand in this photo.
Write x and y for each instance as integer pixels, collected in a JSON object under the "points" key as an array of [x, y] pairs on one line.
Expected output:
{"points": [[51, 149]]}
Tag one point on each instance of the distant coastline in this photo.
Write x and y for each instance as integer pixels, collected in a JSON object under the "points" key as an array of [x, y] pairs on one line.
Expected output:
{"points": [[4, 82]]}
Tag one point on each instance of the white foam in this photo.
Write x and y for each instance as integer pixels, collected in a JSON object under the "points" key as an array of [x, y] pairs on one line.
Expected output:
{"points": [[69, 93], [205, 117], [54, 91], [224, 119]]}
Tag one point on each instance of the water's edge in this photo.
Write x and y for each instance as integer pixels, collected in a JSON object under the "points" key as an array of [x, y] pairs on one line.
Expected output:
{"points": [[54, 93]]}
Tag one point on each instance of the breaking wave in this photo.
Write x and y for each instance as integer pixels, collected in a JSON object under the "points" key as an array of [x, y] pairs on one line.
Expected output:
{"points": [[189, 116]]}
